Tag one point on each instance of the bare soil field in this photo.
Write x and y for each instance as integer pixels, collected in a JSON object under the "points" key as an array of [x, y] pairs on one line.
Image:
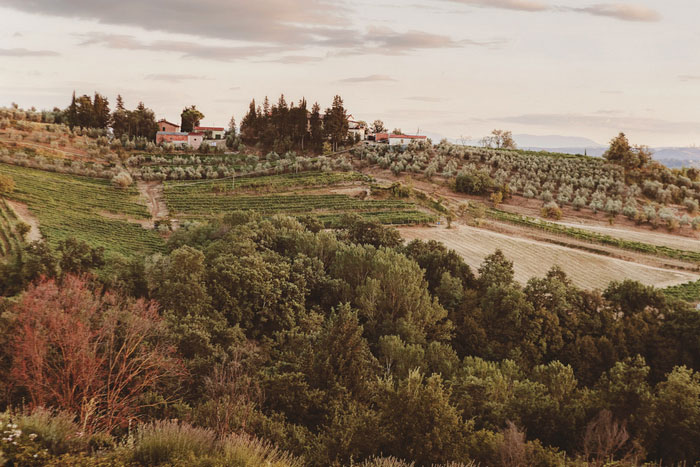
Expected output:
{"points": [[533, 259]]}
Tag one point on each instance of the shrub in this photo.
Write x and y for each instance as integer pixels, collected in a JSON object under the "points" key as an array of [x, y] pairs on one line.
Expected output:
{"points": [[579, 202], [613, 207], [7, 184], [551, 210], [168, 441], [173, 443], [476, 182], [122, 180], [691, 205], [23, 229], [56, 432], [243, 450], [102, 349], [630, 211]]}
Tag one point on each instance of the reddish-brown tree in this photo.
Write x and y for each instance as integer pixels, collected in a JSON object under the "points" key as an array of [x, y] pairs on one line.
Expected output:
{"points": [[93, 354]]}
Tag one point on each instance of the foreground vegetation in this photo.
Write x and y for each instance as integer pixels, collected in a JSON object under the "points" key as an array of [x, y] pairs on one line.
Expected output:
{"points": [[336, 346]]}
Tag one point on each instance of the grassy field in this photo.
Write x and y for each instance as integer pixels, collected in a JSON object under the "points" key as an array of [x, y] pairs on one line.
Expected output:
{"points": [[534, 259], [200, 200], [70, 206]]}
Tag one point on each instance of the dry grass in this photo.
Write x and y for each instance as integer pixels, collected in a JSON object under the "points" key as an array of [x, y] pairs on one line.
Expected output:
{"points": [[533, 259]]}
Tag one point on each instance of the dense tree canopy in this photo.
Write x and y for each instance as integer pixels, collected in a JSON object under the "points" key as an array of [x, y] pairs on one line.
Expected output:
{"points": [[338, 346]]}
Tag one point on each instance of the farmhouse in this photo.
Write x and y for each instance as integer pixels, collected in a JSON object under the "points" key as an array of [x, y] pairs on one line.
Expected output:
{"points": [[403, 140], [170, 133], [178, 138], [398, 140], [166, 126], [357, 130], [211, 132]]}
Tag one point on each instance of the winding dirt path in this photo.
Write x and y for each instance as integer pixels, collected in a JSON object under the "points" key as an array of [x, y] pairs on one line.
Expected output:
{"points": [[152, 192], [26, 216]]}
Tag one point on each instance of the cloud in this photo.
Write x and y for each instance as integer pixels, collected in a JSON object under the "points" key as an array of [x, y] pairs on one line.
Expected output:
{"points": [[185, 48], [172, 78], [367, 79], [518, 5], [19, 52], [386, 41], [265, 21], [621, 11]]}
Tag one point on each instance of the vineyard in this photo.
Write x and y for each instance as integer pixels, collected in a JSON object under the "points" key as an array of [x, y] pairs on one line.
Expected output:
{"points": [[689, 292], [10, 237], [276, 183], [71, 206], [199, 200]]}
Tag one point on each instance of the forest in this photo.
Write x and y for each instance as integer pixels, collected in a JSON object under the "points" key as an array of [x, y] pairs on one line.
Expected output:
{"points": [[254, 340]]}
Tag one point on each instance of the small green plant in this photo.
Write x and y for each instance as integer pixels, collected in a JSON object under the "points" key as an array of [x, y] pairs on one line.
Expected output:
{"points": [[551, 210]]}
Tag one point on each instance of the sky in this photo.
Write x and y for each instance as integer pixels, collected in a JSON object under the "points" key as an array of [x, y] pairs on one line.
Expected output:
{"points": [[453, 68]]}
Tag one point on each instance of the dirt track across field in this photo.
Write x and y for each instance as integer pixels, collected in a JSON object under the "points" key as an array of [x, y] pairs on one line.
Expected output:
{"points": [[27, 217], [532, 258], [152, 192]]}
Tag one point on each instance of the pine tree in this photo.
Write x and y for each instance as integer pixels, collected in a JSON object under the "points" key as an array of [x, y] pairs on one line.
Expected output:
{"points": [[120, 119], [336, 124], [316, 128], [249, 125], [73, 113], [101, 114]]}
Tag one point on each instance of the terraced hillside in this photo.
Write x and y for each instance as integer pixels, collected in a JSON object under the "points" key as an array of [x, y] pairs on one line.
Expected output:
{"points": [[293, 194], [89, 209]]}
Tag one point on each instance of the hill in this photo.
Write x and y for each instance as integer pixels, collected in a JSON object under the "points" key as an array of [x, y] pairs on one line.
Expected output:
{"points": [[433, 304]]}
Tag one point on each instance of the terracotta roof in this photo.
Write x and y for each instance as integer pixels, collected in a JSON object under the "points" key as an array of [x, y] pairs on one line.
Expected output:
{"points": [[162, 120], [212, 128], [194, 133], [408, 136]]}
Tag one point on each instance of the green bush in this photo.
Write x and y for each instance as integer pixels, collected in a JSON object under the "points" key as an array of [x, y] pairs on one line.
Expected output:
{"points": [[476, 182], [169, 441]]}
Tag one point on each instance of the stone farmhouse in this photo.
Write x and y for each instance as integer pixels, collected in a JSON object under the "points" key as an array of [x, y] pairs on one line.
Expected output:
{"points": [[170, 133], [398, 140]]}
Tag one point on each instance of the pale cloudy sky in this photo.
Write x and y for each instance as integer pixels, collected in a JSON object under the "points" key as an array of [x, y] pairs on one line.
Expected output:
{"points": [[449, 67]]}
